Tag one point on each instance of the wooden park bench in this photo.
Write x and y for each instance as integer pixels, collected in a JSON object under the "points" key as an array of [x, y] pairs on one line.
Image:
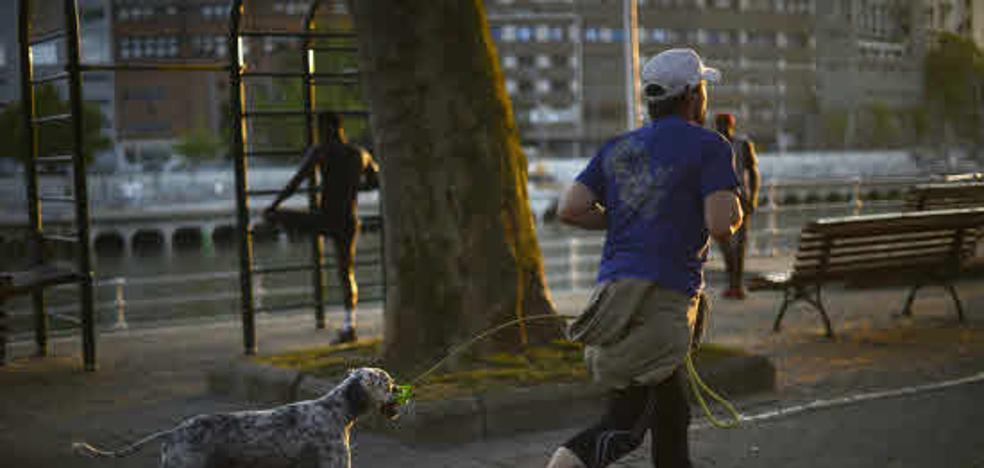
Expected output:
{"points": [[26, 282], [945, 195], [914, 249]]}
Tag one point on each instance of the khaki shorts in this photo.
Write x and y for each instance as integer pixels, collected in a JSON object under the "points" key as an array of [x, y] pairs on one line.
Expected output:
{"points": [[634, 331]]}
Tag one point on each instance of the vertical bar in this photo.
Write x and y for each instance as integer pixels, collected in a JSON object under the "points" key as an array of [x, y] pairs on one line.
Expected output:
{"points": [[630, 24], [82, 221], [237, 149], [314, 196], [30, 135], [773, 218]]}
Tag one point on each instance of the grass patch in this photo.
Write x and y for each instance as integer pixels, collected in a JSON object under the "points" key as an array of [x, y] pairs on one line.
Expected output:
{"points": [[557, 362]]}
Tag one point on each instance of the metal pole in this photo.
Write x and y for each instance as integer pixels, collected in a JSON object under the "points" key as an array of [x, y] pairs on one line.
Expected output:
{"points": [[314, 196], [30, 136], [73, 51], [237, 149], [630, 24]]}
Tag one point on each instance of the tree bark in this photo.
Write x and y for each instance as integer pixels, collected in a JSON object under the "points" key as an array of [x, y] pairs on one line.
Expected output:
{"points": [[461, 248]]}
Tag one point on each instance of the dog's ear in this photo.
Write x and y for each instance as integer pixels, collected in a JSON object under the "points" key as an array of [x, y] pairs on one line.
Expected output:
{"points": [[357, 396]]}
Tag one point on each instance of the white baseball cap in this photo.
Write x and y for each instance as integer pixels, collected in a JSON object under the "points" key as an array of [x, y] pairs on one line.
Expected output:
{"points": [[675, 71]]}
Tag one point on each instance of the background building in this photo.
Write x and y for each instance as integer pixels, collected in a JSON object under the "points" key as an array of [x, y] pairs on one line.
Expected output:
{"points": [[799, 74]]}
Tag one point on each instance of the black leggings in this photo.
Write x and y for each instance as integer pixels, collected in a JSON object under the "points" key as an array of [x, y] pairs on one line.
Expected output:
{"points": [[662, 409], [343, 234]]}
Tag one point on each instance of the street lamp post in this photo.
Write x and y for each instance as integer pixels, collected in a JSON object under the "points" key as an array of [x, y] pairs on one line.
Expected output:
{"points": [[630, 24]]}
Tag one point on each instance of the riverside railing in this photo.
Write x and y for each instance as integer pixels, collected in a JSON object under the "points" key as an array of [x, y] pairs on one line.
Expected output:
{"points": [[570, 258]]}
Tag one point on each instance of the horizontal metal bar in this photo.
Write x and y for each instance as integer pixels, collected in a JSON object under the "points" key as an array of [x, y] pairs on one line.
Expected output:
{"points": [[325, 81], [51, 77], [280, 152], [302, 113], [51, 118], [334, 49], [283, 269], [162, 67], [59, 238], [299, 34], [65, 317], [60, 158], [47, 37], [269, 192], [275, 113], [56, 199], [297, 305], [315, 75]]}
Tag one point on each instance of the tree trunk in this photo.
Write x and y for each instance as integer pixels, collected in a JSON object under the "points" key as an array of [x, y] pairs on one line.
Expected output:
{"points": [[461, 248]]}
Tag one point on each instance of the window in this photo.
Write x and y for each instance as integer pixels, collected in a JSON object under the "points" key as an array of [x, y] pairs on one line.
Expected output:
{"points": [[509, 61], [719, 36], [557, 34], [511, 86], [605, 35], [760, 38], [524, 33], [591, 34], [45, 53], [542, 33], [542, 86], [542, 61], [508, 33], [3, 55], [661, 36]]}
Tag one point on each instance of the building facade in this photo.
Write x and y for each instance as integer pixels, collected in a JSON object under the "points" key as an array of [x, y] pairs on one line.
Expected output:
{"points": [[798, 74]]}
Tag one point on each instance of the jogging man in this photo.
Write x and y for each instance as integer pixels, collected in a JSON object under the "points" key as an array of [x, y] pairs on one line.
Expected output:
{"points": [[343, 167], [746, 166], [658, 191]]}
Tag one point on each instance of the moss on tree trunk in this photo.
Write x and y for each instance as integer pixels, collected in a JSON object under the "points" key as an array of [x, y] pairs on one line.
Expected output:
{"points": [[460, 239]]}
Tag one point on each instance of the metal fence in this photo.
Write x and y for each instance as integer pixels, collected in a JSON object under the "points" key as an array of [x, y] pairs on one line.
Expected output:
{"points": [[570, 259]]}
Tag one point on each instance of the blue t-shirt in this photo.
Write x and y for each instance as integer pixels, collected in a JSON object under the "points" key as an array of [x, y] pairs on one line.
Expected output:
{"points": [[652, 182]]}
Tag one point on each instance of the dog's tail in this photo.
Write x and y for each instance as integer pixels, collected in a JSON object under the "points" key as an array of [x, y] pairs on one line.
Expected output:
{"points": [[82, 448]]}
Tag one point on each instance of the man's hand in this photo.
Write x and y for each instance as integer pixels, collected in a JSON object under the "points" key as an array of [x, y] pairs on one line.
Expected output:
{"points": [[268, 212], [722, 214], [580, 207]]}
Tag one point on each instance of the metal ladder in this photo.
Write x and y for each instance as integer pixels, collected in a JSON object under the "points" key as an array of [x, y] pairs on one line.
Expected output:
{"points": [[241, 153], [74, 159]]}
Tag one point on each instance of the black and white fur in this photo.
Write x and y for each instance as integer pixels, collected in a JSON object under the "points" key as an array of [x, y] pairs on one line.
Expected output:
{"points": [[313, 433]]}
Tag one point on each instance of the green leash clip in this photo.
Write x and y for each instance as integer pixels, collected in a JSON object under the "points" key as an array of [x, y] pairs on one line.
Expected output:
{"points": [[404, 393]]}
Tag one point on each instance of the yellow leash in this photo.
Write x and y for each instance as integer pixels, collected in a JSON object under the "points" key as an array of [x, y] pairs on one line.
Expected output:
{"points": [[697, 384]]}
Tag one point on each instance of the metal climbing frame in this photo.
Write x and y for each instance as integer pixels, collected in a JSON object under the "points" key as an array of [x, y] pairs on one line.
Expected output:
{"points": [[32, 123], [72, 75], [238, 76], [237, 73]]}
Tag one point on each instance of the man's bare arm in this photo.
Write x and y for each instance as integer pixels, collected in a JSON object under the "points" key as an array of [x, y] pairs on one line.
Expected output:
{"points": [[722, 214], [754, 178], [310, 162], [580, 207]]}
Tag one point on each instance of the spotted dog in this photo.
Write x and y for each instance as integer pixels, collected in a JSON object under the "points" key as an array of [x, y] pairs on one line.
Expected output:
{"points": [[313, 433]]}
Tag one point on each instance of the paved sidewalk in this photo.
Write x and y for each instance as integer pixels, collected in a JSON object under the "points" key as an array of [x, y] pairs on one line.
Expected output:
{"points": [[152, 378]]}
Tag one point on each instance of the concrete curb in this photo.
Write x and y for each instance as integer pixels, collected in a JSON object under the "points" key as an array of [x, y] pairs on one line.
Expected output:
{"points": [[479, 417]]}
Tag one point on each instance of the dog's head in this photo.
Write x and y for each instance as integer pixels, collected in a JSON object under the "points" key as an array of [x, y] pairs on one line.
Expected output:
{"points": [[368, 389]]}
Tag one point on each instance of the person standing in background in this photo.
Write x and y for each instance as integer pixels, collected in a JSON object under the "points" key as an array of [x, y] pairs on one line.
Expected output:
{"points": [[746, 167]]}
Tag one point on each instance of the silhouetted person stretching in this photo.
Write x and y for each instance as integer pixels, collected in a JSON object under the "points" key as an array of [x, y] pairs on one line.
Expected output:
{"points": [[342, 167]]}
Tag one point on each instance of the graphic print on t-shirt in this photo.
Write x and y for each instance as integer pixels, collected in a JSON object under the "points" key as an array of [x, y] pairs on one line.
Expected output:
{"points": [[640, 189]]}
